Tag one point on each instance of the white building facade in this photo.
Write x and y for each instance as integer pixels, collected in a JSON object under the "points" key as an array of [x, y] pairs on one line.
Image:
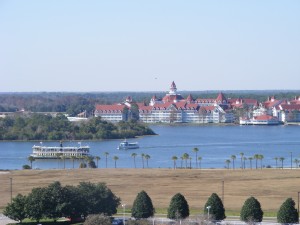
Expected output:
{"points": [[172, 108]]}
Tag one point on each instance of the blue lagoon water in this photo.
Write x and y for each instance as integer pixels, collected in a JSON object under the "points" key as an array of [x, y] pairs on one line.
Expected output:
{"points": [[216, 144]]}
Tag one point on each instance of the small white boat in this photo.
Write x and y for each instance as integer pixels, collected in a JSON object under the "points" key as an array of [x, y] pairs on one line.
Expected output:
{"points": [[124, 145]]}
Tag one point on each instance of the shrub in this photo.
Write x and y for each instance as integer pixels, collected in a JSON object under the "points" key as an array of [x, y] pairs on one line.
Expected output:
{"points": [[26, 167], [178, 208], [287, 212], [97, 219], [16, 209], [92, 164], [142, 206], [216, 207], [251, 211], [82, 165]]}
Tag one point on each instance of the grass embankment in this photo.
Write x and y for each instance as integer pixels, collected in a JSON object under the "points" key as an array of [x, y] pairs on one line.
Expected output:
{"points": [[270, 186]]}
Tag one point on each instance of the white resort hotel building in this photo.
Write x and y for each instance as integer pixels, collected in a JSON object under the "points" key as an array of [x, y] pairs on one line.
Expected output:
{"points": [[172, 108]]}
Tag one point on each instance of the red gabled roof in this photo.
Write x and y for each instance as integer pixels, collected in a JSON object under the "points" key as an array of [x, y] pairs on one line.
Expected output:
{"points": [[140, 104], [145, 108], [192, 106], [238, 102], [290, 107], [190, 98], [296, 100], [181, 104], [109, 107], [161, 106], [221, 98], [205, 100], [171, 98], [272, 103]]}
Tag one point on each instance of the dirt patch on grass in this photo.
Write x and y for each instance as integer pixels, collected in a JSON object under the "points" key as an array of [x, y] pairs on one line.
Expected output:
{"points": [[270, 186]]}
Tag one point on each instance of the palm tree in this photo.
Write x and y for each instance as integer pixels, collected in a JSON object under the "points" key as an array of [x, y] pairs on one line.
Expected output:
{"points": [[73, 159], [115, 158], [250, 160], [97, 158], [58, 156], [196, 150], [200, 159], [244, 159], [185, 156], [276, 159], [147, 157], [88, 158], [64, 160], [190, 162], [256, 157], [31, 159], [296, 161], [143, 156], [174, 158], [106, 155], [233, 157], [227, 162], [134, 155], [181, 162], [261, 157], [242, 155], [281, 159]]}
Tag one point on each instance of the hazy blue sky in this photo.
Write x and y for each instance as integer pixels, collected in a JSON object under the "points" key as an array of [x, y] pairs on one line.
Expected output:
{"points": [[112, 45]]}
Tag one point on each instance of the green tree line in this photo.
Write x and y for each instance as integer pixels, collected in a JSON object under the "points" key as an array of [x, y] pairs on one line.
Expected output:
{"points": [[85, 199], [56, 201], [45, 127], [74, 103]]}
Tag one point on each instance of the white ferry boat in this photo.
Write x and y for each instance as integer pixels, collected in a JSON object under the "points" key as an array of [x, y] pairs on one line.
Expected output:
{"points": [[260, 120], [56, 152], [125, 145]]}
